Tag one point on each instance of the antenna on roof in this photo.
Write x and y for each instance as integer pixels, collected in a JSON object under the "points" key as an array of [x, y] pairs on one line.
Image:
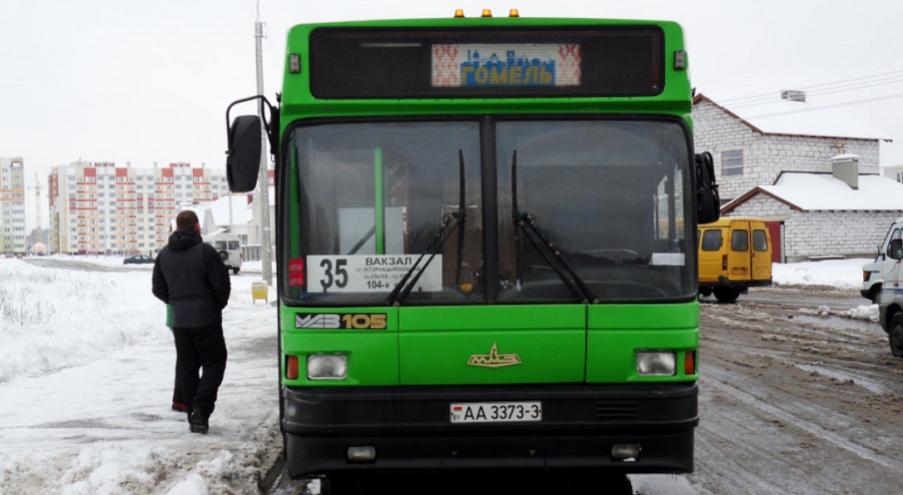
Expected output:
{"points": [[793, 95]]}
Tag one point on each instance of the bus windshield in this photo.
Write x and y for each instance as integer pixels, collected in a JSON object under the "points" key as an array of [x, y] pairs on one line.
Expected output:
{"points": [[609, 195], [373, 198]]}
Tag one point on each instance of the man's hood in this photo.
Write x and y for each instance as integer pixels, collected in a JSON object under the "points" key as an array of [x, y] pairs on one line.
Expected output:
{"points": [[181, 240]]}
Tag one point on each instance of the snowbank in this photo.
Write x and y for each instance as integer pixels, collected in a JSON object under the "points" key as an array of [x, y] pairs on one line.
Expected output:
{"points": [[85, 405], [52, 319], [865, 312], [841, 274]]}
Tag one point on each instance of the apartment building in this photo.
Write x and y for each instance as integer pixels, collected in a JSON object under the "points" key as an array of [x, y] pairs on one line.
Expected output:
{"points": [[12, 206], [101, 208]]}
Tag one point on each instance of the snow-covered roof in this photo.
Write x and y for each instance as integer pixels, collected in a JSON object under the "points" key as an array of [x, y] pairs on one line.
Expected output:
{"points": [[799, 119], [219, 209], [807, 191]]}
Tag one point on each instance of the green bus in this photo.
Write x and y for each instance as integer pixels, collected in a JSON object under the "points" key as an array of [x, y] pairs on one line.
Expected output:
{"points": [[485, 243]]}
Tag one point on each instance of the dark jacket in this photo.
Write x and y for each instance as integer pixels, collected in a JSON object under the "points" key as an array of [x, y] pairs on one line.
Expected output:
{"points": [[190, 276]]}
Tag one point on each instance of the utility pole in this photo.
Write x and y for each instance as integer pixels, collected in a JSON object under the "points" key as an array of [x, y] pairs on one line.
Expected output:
{"points": [[263, 183]]}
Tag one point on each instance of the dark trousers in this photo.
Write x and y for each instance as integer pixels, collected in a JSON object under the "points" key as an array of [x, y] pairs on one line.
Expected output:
{"points": [[176, 388], [201, 348]]}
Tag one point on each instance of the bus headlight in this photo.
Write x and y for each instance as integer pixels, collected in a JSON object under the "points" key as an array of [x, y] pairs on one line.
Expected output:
{"points": [[655, 363], [327, 366]]}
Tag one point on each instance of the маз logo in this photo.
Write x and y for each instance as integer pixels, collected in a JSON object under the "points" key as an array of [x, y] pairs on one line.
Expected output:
{"points": [[493, 359]]}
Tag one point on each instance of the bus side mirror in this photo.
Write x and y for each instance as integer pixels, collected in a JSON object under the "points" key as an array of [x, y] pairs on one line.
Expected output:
{"points": [[243, 160], [708, 202], [895, 249]]}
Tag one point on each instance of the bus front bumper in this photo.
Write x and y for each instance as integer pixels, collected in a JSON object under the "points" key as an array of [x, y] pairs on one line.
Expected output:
{"points": [[409, 428]]}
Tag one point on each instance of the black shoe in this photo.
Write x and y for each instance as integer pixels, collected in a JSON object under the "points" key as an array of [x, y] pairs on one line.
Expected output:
{"points": [[197, 422]]}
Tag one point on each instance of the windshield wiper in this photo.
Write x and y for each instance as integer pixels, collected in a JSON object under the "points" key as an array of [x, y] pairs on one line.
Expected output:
{"points": [[357, 247], [527, 224], [407, 283]]}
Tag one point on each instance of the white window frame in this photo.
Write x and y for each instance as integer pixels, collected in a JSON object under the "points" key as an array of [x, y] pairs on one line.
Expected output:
{"points": [[729, 167]]}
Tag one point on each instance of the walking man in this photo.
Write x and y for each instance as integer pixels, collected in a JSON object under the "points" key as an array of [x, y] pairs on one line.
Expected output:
{"points": [[190, 276]]}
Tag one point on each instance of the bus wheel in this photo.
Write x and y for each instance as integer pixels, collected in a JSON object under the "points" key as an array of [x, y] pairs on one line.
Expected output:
{"points": [[726, 294], [895, 335]]}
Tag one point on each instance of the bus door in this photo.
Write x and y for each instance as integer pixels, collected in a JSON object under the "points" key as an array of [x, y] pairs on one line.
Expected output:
{"points": [[761, 252], [739, 260]]}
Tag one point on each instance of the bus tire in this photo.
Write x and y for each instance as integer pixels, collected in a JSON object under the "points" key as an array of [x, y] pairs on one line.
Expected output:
{"points": [[726, 294], [895, 335]]}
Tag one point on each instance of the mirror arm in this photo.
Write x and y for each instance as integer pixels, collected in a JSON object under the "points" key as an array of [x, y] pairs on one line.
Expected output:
{"points": [[270, 125]]}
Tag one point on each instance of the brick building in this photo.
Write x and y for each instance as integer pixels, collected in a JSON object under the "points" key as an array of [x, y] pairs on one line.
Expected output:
{"points": [[825, 214], [813, 176], [752, 145]]}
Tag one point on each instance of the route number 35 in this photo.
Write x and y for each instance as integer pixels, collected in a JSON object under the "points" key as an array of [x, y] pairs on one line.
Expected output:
{"points": [[337, 276]]}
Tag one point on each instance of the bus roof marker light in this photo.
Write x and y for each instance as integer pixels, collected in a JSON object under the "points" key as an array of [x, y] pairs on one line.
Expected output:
{"points": [[680, 60], [459, 12], [486, 13], [513, 13], [294, 63]]}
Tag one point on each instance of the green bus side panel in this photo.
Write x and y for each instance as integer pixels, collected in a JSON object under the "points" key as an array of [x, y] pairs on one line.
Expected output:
{"points": [[436, 344], [372, 354], [643, 316], [616, 332]]}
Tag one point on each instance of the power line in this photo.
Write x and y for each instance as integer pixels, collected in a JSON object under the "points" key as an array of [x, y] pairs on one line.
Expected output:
{"points": [[828, 91], [835, 105], [827, 85]]}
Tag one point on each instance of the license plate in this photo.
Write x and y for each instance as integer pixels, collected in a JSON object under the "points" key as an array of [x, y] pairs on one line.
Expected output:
{"points": [[495, 412]]}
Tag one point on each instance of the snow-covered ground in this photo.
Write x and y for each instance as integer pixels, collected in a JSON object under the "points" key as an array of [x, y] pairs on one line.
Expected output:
{"points": [[86, 375], [842, 274], [108, 261]]}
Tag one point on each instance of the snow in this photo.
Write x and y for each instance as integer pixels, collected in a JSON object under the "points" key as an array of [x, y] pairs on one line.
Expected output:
{"points": [[43, 324], [87, 369], [845, 157], [865, 312], [813, 191], [842, 274], [219, 210]]}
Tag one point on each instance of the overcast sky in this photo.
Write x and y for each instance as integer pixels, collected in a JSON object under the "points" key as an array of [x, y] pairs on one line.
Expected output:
{"points": [[146, 82]]}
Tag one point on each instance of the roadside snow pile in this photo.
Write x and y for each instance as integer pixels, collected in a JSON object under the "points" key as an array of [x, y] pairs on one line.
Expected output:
{"points": [[866, 312], [841, 274], [43, 316], [87, 365]]}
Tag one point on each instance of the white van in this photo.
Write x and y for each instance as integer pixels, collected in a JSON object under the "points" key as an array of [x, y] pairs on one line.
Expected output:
{"points": [[875, 273], [890, 299], [229, 248]]}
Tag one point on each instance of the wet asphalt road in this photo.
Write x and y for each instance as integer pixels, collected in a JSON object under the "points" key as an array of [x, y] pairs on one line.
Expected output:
{"points": [[801, 297]]}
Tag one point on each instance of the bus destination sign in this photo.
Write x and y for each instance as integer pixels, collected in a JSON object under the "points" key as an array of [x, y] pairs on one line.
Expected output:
{"points": [[505, 65], [369, 272], [466, 63]]}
